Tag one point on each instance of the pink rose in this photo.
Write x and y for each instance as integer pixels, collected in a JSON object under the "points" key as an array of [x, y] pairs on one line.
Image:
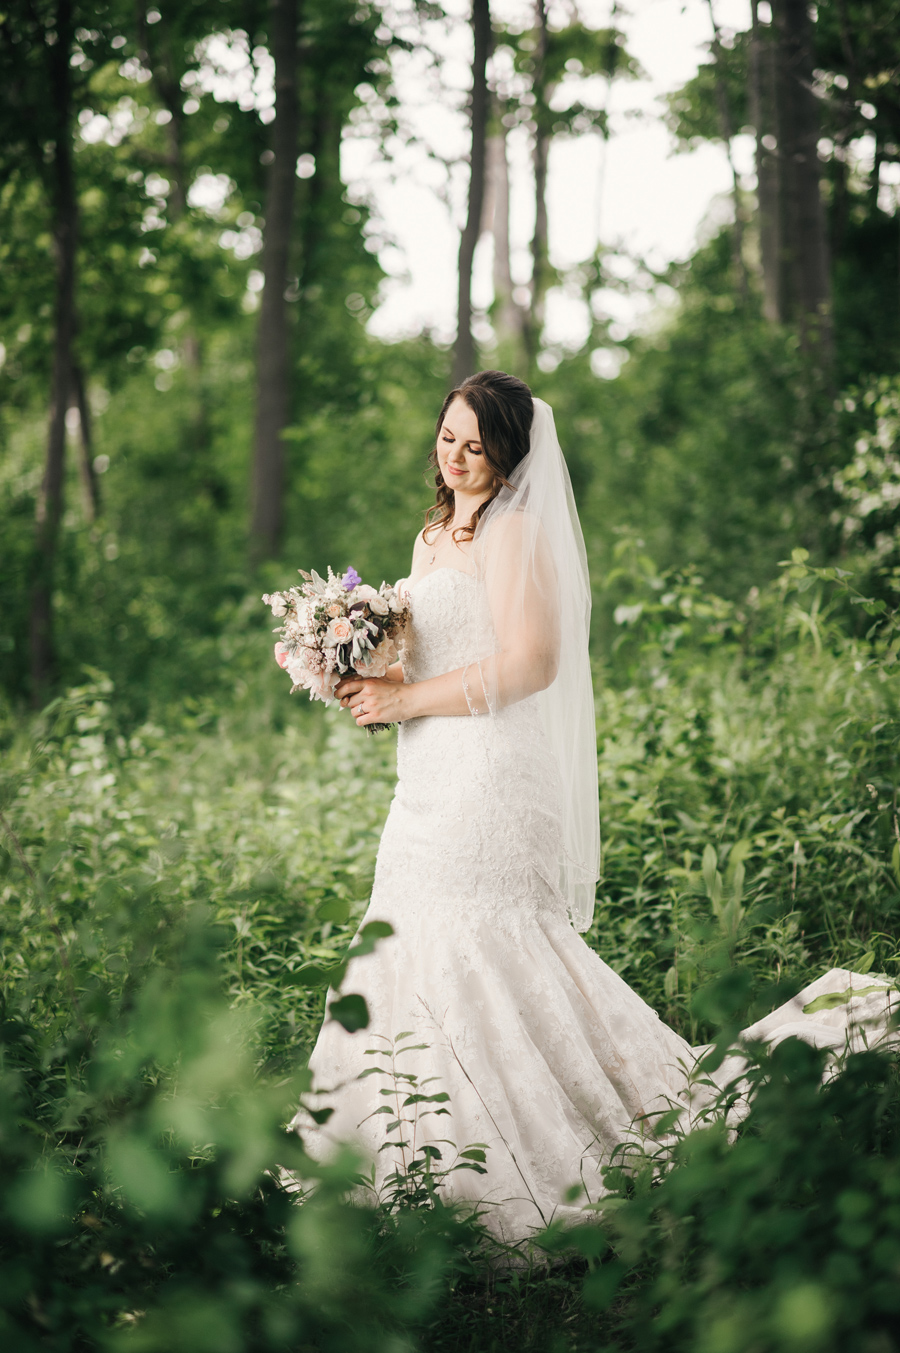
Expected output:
{"points": [[282, 657], [376, 661]]}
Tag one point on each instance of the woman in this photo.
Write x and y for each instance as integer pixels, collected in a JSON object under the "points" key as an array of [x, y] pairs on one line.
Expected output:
{"points": [[485, 995]]}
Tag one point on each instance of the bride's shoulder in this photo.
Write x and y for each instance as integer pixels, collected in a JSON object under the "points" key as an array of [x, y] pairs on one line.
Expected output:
{"points": [[513, 531], [419, 544]]}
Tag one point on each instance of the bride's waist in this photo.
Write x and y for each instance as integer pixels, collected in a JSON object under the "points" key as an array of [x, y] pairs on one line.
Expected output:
{"points": [[514, 734]]}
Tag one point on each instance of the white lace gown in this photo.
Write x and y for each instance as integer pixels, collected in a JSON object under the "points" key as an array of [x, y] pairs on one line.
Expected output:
{"points": [[546, 1054]]}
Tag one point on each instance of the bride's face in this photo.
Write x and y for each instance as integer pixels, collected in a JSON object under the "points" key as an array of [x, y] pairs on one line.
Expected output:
{"points": [[459, 452]]}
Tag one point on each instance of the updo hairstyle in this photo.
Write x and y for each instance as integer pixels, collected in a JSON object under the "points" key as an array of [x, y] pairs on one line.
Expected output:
{"points": [[504, 407]]}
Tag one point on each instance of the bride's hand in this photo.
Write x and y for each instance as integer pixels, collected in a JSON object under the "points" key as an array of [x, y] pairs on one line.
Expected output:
{"points": [[372, 699]]}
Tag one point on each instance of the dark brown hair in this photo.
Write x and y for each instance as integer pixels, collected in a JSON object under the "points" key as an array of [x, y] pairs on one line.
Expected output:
{"points": [[504, 407]]}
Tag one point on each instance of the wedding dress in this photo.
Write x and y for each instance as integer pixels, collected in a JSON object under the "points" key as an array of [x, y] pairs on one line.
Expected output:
{"points": [[546, 1056]]}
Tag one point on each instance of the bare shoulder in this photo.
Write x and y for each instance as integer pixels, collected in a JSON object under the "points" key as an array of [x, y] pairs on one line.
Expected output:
{"points": [[418, 546]]}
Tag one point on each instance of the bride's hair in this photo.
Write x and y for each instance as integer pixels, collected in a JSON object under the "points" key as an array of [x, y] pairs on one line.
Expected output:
{"points": [[504, 407]]}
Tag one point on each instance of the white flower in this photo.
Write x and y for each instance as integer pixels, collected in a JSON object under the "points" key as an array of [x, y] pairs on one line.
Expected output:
{"points": [[378, 605], [339, 632], [364, 592], [321, 686], [296, 670], [278, 603]]}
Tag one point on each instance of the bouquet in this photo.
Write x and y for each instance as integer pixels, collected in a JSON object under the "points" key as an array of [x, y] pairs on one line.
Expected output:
{"points": [[337, 627]]}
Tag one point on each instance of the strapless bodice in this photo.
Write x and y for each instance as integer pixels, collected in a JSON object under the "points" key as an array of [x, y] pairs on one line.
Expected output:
{"points": [[451, 624]]}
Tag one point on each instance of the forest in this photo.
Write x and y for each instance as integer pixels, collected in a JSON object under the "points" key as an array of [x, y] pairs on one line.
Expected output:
{"points": [[192, 407]]}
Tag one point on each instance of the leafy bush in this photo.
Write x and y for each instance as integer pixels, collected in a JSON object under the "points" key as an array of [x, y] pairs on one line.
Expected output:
{"points": [[174, 900]]}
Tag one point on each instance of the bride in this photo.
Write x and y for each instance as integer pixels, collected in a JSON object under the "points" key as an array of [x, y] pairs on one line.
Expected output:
{"points": [[505, 1032]]}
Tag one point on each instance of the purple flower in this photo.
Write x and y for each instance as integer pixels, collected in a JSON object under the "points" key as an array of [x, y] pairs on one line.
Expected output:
{"points": [[351, 579]]}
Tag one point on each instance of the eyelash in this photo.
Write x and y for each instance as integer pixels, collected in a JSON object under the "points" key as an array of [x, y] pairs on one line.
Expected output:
{"points": [[449, 441]]}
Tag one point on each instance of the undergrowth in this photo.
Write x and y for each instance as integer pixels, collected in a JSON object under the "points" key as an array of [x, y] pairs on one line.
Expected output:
{"points": [[175, 897]]}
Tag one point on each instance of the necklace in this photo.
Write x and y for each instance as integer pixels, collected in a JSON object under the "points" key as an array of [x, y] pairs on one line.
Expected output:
{"points": [[434, 551]]}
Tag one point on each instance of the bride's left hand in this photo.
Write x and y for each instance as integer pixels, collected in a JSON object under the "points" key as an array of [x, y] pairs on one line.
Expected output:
{"points": [[372, 699]]}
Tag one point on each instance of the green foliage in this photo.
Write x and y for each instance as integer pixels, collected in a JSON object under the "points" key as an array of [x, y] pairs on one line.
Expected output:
{"points": [[750, 766], [708, 443], [186, 851], [787, 1238], [175, 903], [694, 112]]}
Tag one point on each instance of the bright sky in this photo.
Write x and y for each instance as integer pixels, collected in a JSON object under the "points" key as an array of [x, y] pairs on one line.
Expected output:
{"points": [[632, 190]]}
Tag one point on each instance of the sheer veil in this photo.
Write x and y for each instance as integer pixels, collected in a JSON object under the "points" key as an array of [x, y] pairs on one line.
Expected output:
{"points": [[529, 551]]}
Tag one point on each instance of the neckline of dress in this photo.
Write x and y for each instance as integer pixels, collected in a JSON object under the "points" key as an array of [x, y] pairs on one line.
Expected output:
{"points": [[444, 568]]}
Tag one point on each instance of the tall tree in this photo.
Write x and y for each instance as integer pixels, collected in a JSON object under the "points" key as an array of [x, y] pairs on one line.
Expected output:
{"points": [[89, 482], [58, 44], [464, 353], [805, 266], [273, 339], [763, 115], [549, 57], [724, 107], [540, 149], [508, 317]]}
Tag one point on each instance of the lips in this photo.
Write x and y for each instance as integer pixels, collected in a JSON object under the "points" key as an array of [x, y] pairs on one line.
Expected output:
{"points": [[450, 470]]}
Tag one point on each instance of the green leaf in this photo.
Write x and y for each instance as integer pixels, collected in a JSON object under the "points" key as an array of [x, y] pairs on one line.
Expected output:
{"points": [[316, 975], [334, 909], [832, 999], [350, 1011], [368, 937], [600, 1287]]}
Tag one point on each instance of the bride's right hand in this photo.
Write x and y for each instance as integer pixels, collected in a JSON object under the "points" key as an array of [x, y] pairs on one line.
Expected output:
{"points": [[374, 699]]}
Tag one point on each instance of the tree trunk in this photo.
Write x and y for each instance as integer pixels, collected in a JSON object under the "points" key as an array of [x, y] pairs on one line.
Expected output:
{"points": [[540, 154], [507, 314], [805, 271], [465, 358], [762, 107], [65, 226], [157, 57], [89, 481], [737, 238], [273, 355]]}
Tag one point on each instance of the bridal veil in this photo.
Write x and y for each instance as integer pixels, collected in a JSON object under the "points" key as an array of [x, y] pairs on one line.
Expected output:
{"points": [[528, 550]]}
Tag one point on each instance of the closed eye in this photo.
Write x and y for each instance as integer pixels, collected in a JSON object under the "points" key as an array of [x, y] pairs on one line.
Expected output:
{"points": [[475, 450]]}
